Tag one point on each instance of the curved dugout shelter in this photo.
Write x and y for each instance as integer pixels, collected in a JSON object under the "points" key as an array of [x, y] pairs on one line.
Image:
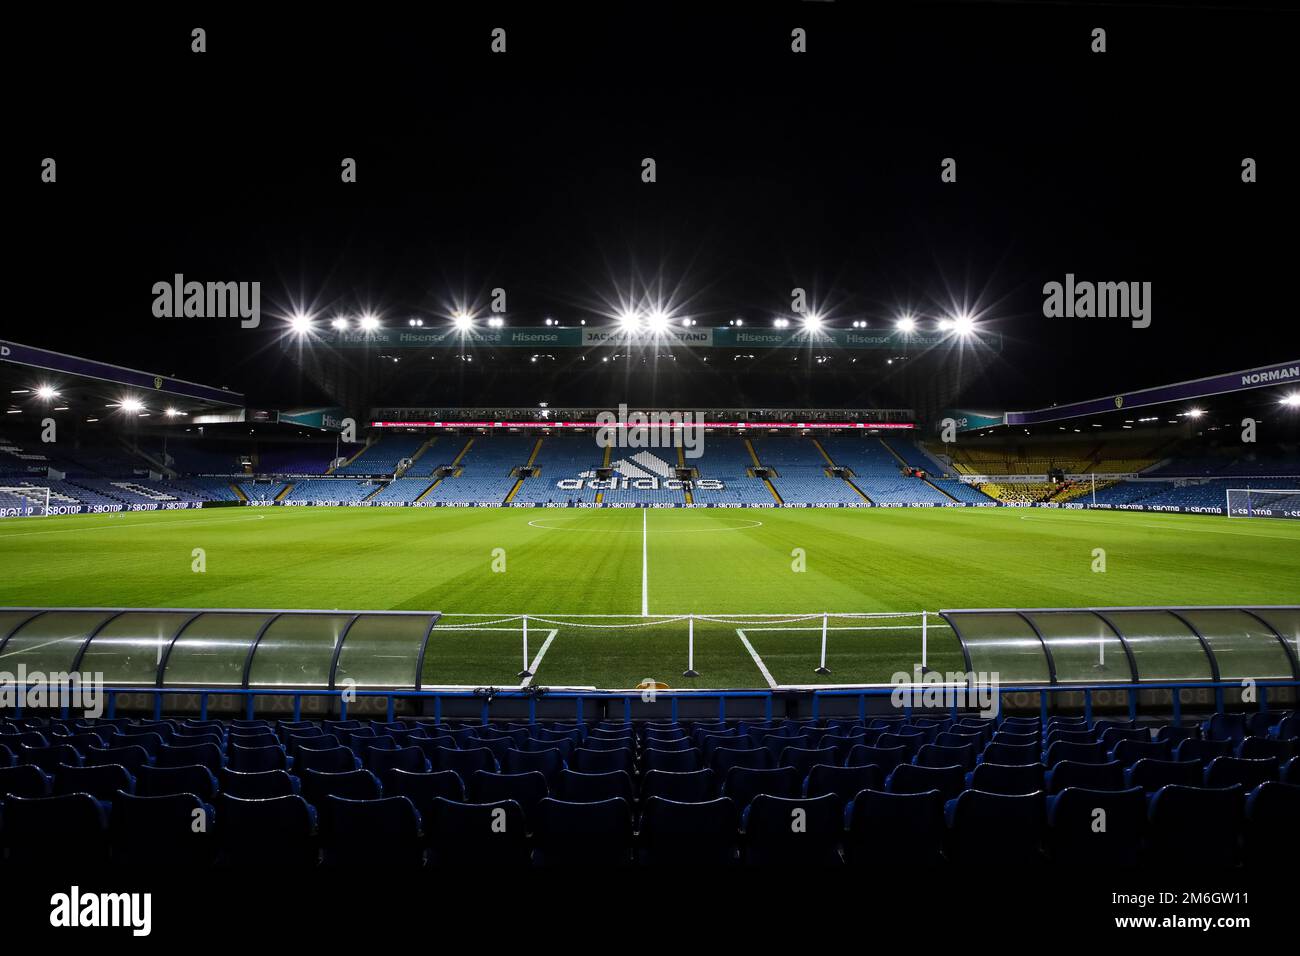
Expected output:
{"points": [[195, 648], [1130, 645]]}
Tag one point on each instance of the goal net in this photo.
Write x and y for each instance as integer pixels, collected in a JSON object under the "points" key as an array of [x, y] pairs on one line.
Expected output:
{"points": [[24, 501], [1264, 502]]}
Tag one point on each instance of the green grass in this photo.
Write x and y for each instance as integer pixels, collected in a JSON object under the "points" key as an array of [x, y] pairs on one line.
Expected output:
{"points": [[737, 562]]}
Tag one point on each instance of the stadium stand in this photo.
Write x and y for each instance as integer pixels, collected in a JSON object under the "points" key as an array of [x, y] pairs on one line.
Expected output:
{"points": [[383, 456]]}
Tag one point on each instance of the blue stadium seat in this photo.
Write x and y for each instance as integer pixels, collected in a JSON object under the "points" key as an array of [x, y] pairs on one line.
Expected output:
{"points": [[131, 756], [50, 758], [1089, 776], [886, 758], [1226, 771], [587, 760], [1272, 837], [527, 789], [674, 761], [792, 831], [994, 826], [911, 742], [317, 785], [548, 763], [804, 759], [328, 760], [381, 833], [1195, 827], [1075, 836], [583, 834], [1262, 748], [466, 761], [1008, 780], [1203, 750], [411, 759], [1229, 727], [743, 784], [844, 782], [937, 755], [208, 755], [423, 788], [1151, 775], [42, 832], [476, 835], [1129, 752], [1079, 752], [1011, 755], [256, 759], [161, 830], [577, 787], [270, 833], [694, 787], [100, 782], [909, 778], [701, 833], [24, 781], [258, 786], [724, 758]]}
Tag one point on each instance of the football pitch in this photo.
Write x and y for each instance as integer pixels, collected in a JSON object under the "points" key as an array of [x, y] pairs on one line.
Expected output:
{"points": [[599, 582]]}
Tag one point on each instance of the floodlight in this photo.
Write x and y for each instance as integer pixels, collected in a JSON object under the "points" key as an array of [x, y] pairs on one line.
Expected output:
{"points": [[131, 405], [1194, 413], [463, 321], [369, 322], [963, 324], [629, 320], [300, 322], [905, 324], [812, 321], [340, 323], [1292, 400], [657, 321], [46, 393], [945, 325]]}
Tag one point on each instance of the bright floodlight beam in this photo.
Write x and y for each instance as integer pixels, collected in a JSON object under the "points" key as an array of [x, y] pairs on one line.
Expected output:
{"points": [[131, 406], [629, 320], [340, 324], [905, 324], [369, 322], [657, 321], [1292, 400], [46, 393], [963, 324], [812, 322], [463, 321], [300, 323]]}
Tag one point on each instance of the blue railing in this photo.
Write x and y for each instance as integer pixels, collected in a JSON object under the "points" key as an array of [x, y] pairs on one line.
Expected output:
{"points": [[581, 699]]}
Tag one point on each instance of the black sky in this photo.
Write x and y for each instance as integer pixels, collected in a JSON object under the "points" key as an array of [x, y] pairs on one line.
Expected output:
{"points": [[775, 170]]}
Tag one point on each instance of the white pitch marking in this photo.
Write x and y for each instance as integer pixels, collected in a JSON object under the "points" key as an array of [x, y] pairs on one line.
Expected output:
{"points": [[538, 659], [119, 527], [752, 523], [645, 566], [762, 668]]}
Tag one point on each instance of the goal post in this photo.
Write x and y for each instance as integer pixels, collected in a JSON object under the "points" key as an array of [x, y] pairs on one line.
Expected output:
{"points": [[24, 502], [1263, 502]]}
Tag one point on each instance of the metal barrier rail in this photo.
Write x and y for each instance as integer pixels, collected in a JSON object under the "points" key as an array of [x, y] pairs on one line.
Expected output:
{"points": [[581, 698]]}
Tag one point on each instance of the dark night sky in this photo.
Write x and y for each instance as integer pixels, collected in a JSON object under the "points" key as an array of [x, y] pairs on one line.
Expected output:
{"points": [[775, 170]]}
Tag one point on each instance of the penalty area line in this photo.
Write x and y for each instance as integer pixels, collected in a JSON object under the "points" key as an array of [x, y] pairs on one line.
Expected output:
{"points": [[758, 661], [538, 659]]}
